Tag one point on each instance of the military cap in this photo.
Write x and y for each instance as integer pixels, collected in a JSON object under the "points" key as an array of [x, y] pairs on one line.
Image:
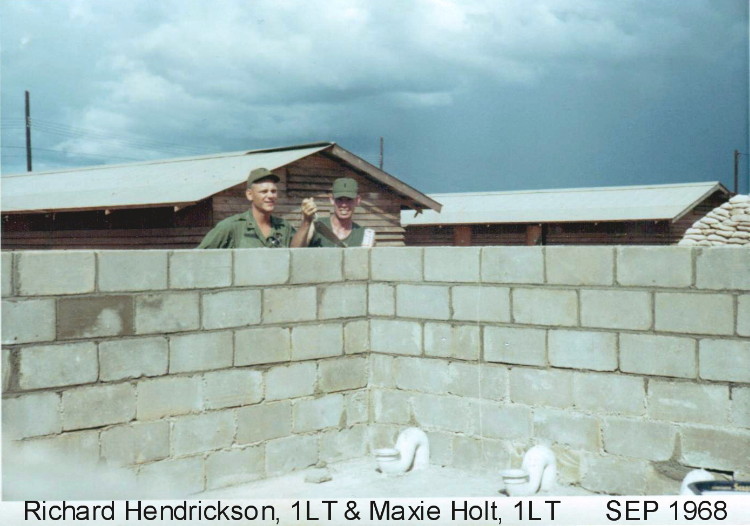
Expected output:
{"points": [[261, 173], [345, 187]]}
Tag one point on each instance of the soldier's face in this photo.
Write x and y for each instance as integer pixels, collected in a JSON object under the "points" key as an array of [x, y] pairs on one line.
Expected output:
{"points": [[344, 207], [263, 196]]}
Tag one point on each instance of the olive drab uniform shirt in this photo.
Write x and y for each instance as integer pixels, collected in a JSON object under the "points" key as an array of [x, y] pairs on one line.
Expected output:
{"points": [[241, 231], [354, 239]]}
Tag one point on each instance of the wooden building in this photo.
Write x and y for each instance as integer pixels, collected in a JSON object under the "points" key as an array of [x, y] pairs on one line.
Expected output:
{"points": [[626, 215], [173, 203]]}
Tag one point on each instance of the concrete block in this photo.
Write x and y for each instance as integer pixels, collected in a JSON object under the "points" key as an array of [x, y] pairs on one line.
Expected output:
{"points": [[357, 407], [57, 365], [169, 396], [98, 406], [343, 301], [77, 448], [545, 307], [504, 421], [135, 443], [131, 270], [391, 407], [200, 352], [464, 379], [625, 395], [317, 341], [285, 305], [694, 313], [422, 301], [616, 309], [441, 448], [452, 341], [94, 316], [235, 466], [6, 274], [357, 337], [233, 308], [447, 413], [263, 422], [574, 429], [232, 388], [467, 454], [168, 312], [173, 478], [31, 415], [201, 433], [568, 464], [512, 265], [640, 439], [28, 321], [357, 264], [343, 444], [452, 264], [723, 269], [743, 315], [317, 266], [583, 350], [494, 382], [396, 336], [688, 402], [614, 476], [722, 449], [644, 266], [658, 483], [725, 360], [284, 455], [200, 269], [537, 387], [318, 413], [381, 300], [515, 345], [421, 374], [382, 372], [481, 303], [741, 406], [260, 346], [579, 265], [658, 355], [133, 358], [52, 272], [342, 374], [396, 264], [291, 381], [261, 267]]}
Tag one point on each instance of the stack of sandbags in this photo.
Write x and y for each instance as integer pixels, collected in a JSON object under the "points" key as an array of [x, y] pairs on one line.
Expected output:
{"points": [[727, 225]]}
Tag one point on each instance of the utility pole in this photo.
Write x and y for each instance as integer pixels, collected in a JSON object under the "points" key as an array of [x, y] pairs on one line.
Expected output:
{"points": [[28, 134], [381, 153], [737, 172]]}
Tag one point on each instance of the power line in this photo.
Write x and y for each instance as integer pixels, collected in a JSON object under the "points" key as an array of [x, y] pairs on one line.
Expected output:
{"points": [[74, 154]]}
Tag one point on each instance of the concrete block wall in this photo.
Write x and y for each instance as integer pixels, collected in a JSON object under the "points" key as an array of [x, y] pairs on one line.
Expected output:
{"points": [[632, 362], [214, 367], [206, 368]]}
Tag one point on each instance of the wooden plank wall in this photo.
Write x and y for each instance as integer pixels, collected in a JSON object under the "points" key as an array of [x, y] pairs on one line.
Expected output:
{"points": [[312, 177], [138, 228]]}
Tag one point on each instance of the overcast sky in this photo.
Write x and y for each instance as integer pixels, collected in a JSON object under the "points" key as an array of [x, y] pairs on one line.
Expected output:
{"points": [[474, 95]]}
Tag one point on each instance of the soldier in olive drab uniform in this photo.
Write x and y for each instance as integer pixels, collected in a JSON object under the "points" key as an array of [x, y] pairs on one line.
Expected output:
{"points": [[344, 198], [257, 228]]}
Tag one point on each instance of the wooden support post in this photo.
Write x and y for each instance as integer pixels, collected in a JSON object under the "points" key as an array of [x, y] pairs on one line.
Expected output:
{"points": [[533, 235], [462, 235]]}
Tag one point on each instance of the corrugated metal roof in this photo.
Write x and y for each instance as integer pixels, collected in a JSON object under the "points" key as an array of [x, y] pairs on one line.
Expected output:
{"points": [[615, 203], [170, 182]]}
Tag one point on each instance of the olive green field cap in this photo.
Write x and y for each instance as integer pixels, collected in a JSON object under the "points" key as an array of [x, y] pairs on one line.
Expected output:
{"points": [[261, 173], [345, 187]]}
